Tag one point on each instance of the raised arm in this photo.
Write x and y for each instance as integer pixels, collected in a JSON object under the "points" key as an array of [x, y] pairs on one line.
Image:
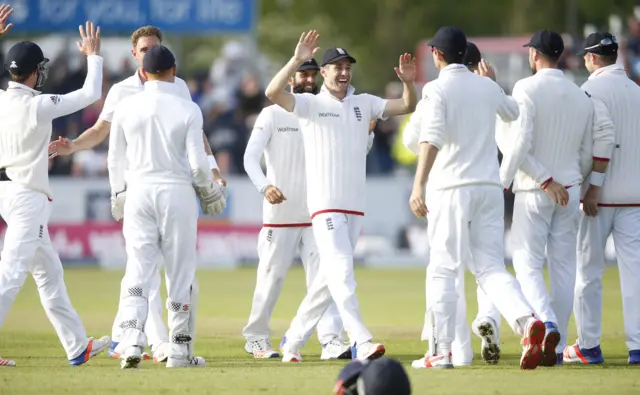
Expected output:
{"points": [[305, 50], [406, 72], [56, 106]]}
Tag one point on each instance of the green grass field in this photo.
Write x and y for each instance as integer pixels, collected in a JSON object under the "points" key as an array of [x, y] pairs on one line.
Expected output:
{"points": [[392, 303]]}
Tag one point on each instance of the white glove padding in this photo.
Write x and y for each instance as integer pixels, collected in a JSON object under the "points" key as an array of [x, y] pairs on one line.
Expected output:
{"points": [[117, 205], [212, 200]]}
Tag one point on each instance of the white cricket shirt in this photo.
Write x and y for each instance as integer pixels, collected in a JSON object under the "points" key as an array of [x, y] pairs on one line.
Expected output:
{"points": [[25, 126], [459, 118], [335, 135], [131, 86], [156, 138], [555, 127], [621, 98]]}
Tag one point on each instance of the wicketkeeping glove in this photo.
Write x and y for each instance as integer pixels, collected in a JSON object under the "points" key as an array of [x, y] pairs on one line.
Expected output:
{"points": [[212, 200], [117, 205]]}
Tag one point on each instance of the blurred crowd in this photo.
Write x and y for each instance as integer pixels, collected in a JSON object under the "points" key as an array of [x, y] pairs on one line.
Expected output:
{"points": [[231, 95]]}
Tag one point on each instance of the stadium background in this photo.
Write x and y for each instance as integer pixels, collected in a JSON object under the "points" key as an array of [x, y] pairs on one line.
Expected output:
{"points": [[227, 51]]}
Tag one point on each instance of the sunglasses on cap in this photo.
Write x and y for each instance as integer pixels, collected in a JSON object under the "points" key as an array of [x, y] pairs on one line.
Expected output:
{"points": [[604, 42]]}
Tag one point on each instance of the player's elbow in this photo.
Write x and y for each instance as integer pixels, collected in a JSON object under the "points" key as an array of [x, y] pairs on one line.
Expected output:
{"points": [[272, 94]]}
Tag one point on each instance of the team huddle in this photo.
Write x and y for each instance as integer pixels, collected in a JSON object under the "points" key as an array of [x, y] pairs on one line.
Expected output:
{"points": [[563, 147]]}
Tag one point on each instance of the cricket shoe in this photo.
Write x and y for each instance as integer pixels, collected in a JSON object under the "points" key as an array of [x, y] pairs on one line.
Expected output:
{"points": [[161, 353], [94, 348], [190, 362], [534, 331], [131, 358], [634, 357], [7, 362], [289, 354], [586, 356], [112, 350], [440, 361], [549, 344], [260, 349], [336, 349], [367, 351], [487, 330]]}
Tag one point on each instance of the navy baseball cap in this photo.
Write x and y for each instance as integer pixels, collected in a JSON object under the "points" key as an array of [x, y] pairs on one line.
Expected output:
{"points": [[158, 59], [333, 55], [473, 56], [601, 43], [24, 58], [547, 42], [450, 40], [382, 376], [309, 65]]}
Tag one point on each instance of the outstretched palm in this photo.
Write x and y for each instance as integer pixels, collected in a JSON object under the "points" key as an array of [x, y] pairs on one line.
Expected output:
{"points": [[307, 46], [406, 69], [5, 11]]}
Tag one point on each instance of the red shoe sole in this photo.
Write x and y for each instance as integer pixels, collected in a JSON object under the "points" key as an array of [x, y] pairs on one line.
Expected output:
{"points": [[378, 353], [532, 354], [549, 344]]}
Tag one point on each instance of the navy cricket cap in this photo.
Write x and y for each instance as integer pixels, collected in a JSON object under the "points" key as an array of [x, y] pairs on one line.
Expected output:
{"points": [[309, 65], [382, 376], [158, 59], [24, 58], [450, 40], [547, 42], [333, 55], [601, 43], [473, 56]]}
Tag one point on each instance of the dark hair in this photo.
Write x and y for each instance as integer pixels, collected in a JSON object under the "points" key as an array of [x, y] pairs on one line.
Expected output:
{"points": [[20, 79], [608, 59], [551, 58], [453, 58], [472, 67]]}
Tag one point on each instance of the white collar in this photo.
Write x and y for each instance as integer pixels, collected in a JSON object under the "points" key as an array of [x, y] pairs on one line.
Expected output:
{"points": [[138, 77], [350, 91], [616, 68], [17, 85], [454, 67], [550, 71], [161, 86]]}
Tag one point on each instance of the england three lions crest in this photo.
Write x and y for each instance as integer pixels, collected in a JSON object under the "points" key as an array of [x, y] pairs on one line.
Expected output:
{"points": [[358, 113]]}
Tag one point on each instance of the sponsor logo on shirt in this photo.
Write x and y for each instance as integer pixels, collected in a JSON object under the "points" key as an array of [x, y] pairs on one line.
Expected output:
{"points": [[55, 99], [328, 114], [287, 129]]}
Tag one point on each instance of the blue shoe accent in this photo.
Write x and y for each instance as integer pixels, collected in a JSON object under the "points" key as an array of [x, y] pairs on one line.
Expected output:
{"points": [[592, 356], [354, 351], [82, 358], [634, 357], [283, 342], [549, 344], [112, 348], [560, 359]]}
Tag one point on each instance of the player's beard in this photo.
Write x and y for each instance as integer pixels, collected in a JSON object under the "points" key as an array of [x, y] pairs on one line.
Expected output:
{"points": [[305, 88]]}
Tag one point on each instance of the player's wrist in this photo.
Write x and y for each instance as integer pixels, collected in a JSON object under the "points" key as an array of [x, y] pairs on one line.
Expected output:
{"points": [[546, 183], [596, 179]]}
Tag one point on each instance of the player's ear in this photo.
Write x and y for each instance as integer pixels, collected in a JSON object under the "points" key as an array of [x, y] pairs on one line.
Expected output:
{"points": [[133, 53], [144, 73], [174, 70]]}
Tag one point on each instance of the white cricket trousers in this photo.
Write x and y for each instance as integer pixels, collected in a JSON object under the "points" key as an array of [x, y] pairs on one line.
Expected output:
{"points": [[336, 235], [466, 228], [160, 219], [539, 223], [624, 224], [27, 248], [155, 328], [277, 248]]}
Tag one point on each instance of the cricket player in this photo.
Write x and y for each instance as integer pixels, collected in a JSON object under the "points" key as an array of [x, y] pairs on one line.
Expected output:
{"points": [[286, 221], [157, 142], [611, 203], [25, 194], [556, 130], [487, 323], [458, 156], [335, 128], [142, 40]]}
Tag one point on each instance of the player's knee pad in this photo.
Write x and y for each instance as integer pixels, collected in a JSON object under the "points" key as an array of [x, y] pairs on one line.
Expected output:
{"points": [[178, 307], [134, 290], [131, 324]]}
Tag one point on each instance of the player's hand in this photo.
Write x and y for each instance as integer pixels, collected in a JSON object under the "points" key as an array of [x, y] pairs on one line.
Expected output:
{"points": [[590, 201], [5, 12], [307, 46], [417, 203], [117, 205], [218, 178], [90, 44], [406, 69], [372, 125], [486, 70], [61, 147], [212, 199], [557, 193], [274, 195]]}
